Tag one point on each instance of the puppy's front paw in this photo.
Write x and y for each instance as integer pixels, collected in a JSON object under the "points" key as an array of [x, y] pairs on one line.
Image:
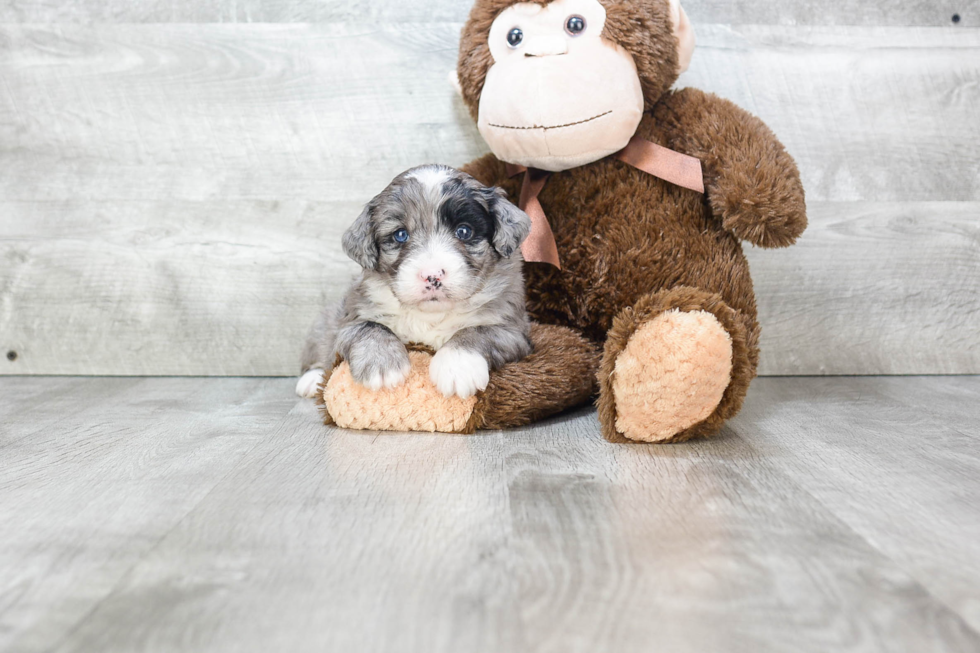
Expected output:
{"points": [[459, 371], [387, 378], [309, 382], [383, 366]]}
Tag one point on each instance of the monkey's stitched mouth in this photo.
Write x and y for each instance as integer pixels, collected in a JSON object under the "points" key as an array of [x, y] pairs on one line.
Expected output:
{"points": [[546, 127]]}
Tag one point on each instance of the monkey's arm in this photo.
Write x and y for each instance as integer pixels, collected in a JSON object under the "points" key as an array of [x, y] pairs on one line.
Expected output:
{"points": [[752, 183]]}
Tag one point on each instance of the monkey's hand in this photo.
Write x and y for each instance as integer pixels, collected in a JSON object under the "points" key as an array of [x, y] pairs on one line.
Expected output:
{"points": [[759, 198], [752, 184]]}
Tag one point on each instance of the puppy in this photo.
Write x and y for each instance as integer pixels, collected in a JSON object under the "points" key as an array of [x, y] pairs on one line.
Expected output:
{"points": [[443, 268]]}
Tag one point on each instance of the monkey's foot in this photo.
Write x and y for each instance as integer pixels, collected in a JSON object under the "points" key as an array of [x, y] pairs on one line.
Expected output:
{"points": [[415, 405], [671, 375]]}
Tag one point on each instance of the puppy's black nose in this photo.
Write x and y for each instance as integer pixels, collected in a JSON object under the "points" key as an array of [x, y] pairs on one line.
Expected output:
{"points": [[432, 278]]}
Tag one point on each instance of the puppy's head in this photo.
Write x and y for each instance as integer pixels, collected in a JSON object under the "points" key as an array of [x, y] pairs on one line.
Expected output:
{"points": [[436, 235]]}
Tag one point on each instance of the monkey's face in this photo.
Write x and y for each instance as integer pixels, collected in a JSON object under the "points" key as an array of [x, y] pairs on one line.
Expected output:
{"points": [[558, 94]]}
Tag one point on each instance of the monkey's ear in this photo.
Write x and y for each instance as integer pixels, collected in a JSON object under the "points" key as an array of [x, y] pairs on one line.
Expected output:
{"points": [[684, 33], [511, 224], [359, 242], [453, 78]]}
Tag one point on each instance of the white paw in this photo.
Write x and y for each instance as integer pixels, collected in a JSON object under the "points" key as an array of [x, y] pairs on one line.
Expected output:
{"points": [[390, 378], [459, 371], [307, 384]]}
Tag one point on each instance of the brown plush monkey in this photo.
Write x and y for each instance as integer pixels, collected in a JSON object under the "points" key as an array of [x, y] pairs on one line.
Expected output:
{"points": [[653, 304]]}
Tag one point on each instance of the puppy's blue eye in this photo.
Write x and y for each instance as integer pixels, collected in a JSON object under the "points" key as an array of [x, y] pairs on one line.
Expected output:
{"points": [[401, 236], [575, 25], [464, 232], [514, 37]]}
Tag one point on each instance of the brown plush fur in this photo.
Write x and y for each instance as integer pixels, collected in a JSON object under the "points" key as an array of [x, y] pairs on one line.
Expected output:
{"points": [[559, 374], [633, 245]]}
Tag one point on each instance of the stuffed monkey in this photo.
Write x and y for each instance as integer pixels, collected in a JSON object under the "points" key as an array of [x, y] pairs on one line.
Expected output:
{"points": [[639, 197]]}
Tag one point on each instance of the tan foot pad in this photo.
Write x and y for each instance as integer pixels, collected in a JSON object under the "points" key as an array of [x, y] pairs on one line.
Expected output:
{"points": [[671, 375], [415, 405]]}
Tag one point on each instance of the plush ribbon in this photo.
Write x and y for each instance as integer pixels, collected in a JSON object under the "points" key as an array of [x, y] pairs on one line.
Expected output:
{"points": [[677, 168]]}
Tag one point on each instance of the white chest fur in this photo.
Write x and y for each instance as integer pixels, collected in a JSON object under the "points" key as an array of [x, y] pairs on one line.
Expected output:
{"points": [[428, 328]]}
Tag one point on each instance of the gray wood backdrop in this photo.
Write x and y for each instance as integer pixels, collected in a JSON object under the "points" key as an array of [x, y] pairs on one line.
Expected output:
{"points": [[175, 174]]}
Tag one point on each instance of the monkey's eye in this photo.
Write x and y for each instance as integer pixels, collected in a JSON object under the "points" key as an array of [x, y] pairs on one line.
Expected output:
{"points": [[464, 232], [575, 25], [514, 37], [401, 236]]}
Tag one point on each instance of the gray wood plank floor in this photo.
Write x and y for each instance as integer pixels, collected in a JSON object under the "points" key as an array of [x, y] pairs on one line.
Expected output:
{"points": [[170, 514]]}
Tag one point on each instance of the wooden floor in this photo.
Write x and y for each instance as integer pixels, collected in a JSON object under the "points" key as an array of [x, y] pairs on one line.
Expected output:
{"points": [[183, 514]]}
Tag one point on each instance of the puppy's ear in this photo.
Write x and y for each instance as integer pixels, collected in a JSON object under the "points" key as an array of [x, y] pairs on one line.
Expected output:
{"points": [[359, 241], [511, 224]]}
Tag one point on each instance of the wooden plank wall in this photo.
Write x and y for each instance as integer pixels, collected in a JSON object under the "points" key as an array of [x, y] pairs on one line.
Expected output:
{"points": [[175, 176], [917, 13]]}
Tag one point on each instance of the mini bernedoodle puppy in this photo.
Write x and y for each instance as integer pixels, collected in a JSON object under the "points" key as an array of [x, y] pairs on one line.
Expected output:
{"points": [[443, 268]]}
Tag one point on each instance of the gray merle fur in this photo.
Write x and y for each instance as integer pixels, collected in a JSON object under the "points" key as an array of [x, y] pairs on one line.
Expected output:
{"points": [[365, 332]]}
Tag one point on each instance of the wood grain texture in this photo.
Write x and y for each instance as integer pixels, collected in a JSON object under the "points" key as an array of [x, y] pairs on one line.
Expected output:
{"points": [[226, 112], [23, 399], [172, 195], [846, 12], [832, 514], [332, 112], [869, 114], [206, 288], [90, 485], [709, 547], [218, 288], [882, 287], [856, 438], [790, 12], [367, 543]]}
